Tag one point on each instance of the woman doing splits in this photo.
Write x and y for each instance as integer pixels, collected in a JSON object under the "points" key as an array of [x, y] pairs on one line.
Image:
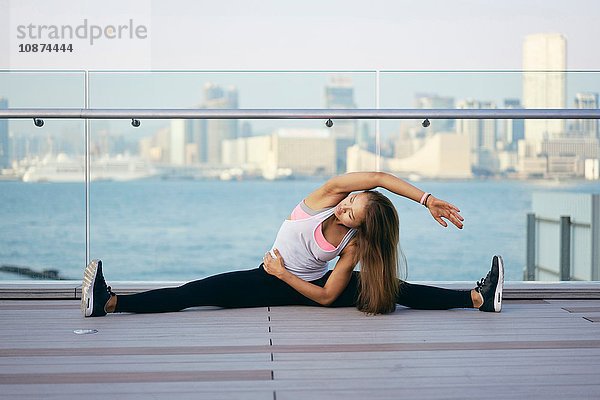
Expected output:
{"points": [[344, 217]]}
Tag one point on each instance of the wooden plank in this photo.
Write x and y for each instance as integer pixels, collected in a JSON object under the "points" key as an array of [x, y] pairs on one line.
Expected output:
{"points": [[581, 309], [46, 305], [377, 368], [507, 391], [508, 302], [516, 374], [468, 355], [134, 377], [325, 348], [144, 393], [393, 387], [212, 359], [574, 303]]}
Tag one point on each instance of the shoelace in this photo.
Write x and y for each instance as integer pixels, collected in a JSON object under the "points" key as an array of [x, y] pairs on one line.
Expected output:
{"points": [[481, 283]]}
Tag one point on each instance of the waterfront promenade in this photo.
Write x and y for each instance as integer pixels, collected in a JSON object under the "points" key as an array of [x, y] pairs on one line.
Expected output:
{"points": [[544, 344]]}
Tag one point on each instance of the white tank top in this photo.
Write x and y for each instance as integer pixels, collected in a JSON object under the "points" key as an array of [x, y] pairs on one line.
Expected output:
{"points": [[298, 247]]}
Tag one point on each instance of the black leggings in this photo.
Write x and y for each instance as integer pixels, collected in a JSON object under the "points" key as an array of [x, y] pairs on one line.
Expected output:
{"points": [[256, 288]]}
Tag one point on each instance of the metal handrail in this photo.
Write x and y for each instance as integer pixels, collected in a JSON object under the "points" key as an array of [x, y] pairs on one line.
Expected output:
{"points": [[365, 113]]}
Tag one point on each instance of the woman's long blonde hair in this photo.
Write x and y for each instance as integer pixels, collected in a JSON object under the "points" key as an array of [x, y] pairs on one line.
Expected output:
{"points": [[378, 253]]}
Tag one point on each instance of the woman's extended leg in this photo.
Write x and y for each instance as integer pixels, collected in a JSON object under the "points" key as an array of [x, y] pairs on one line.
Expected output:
{"points": [[413, 296], [486, 297], [238, 289], [433, 298]]}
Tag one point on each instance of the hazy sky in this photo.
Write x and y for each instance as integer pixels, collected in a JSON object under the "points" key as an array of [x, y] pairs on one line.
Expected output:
{"points": [[284, 35], [310, 34]]}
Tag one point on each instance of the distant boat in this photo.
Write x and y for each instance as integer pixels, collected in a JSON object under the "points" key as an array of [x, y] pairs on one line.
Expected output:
{"points": [[277, 174], [62, 168]]}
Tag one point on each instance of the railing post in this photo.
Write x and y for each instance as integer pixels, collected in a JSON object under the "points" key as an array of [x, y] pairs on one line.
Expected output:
{"points": [[595, 228], [87, 169], [565, 248], [530, 257], [377, 125]]}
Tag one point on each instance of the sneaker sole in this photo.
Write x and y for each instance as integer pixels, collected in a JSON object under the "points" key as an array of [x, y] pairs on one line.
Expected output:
{"points": [[87, 288], [499, 286]]}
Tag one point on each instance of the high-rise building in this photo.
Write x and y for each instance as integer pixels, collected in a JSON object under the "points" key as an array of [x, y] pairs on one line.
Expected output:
{"points": [[514, 129], [482, 135], [428, 100], [177, 142], [339, 93], [586, 127], [209, 134], [544, 83], [5, 161]]}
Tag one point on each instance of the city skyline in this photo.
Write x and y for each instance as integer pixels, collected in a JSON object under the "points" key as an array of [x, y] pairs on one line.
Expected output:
{"points": [[184, 131], [529, 147], [121, 91]]}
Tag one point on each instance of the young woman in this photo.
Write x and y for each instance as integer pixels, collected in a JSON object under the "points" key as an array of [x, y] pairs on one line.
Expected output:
{"points": [[344, 218]]}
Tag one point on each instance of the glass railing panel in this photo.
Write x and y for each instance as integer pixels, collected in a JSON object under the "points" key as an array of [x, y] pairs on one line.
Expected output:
{"points": [[42, 194], [212, 194], [491, 169], [181, 199]]}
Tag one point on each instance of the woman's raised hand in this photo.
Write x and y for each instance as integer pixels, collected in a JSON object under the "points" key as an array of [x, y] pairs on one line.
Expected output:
{"points": [[274, 266], [441, 209]]}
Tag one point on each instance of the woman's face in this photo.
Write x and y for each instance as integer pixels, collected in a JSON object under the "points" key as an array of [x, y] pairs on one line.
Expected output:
{"points": [[351, 211]]}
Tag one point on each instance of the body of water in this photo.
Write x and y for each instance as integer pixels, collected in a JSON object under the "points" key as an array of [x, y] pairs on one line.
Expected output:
{"points": [[183, 230]]}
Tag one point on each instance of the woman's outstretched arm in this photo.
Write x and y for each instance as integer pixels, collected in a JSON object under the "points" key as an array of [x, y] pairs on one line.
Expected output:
{"points": [[355, 181], [437, 207], [339, 187], [335, 285]]}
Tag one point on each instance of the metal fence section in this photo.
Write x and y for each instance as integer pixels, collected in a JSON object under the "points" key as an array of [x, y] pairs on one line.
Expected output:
{"points": [[563, 237]]}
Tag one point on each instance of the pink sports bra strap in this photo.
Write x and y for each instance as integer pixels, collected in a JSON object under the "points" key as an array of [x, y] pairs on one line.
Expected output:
{"points": [[299, 213], [321, 241]]}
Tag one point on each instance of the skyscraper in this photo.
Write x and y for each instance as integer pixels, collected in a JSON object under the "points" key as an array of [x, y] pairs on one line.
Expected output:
{"points": [[339, 93], [217, 130], [586, 127], [4, 143], [482, 136], [544, 83], [514, 129]]}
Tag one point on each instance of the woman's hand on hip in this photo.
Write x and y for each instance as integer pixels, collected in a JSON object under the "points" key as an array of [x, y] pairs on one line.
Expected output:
{"points": [[274, 266], [441, 209]]}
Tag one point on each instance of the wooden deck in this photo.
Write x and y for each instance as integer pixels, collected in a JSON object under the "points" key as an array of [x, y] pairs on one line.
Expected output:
{"points": [[534, 349]]}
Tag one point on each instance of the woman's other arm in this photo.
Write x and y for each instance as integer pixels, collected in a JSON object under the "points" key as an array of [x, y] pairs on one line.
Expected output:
{"points": [[335, 285]]}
